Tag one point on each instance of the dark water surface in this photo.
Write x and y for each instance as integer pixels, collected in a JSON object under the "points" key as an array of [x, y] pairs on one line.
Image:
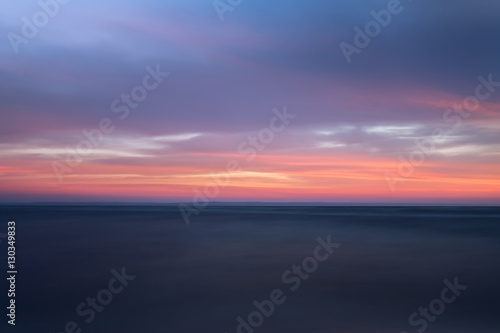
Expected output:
{"points": [[202, 276]]}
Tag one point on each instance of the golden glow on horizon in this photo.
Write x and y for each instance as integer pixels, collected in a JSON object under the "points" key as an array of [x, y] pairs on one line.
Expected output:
{"points": [[269, 177]]}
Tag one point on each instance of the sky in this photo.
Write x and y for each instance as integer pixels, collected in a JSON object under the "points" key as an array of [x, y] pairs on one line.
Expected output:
{"points": [[269, 101]]}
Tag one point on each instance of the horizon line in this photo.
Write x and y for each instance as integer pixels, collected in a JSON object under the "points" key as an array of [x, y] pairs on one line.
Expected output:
{"points": [[249, 203]]}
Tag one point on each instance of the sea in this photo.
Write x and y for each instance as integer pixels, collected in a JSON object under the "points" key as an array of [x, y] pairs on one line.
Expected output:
{"points": [[245, 269]]}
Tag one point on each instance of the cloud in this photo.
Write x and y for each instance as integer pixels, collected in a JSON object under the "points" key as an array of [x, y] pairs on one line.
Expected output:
{"points": [[226, 77]]}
